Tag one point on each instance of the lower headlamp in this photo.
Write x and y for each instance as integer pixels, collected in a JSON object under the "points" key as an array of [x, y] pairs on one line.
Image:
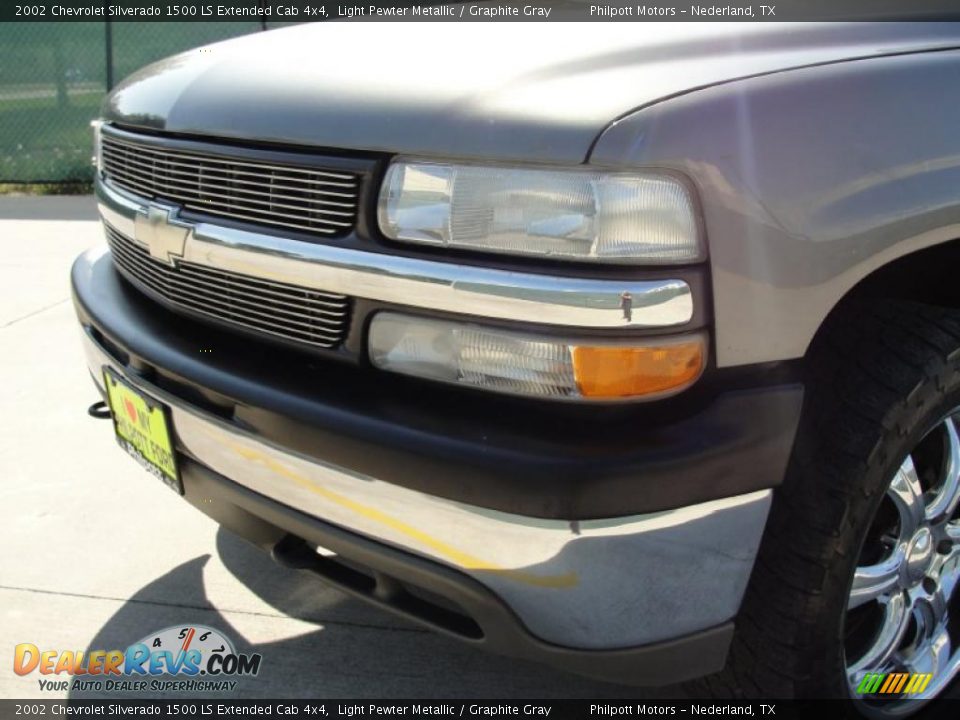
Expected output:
{"points": [[518, 363]]}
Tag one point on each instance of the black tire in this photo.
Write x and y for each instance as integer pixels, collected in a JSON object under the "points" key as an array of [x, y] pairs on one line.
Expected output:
{"points": [[879, 376]]}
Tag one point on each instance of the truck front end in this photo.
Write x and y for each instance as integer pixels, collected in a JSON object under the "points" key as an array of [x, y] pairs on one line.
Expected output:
{"points": [[421, 347]]}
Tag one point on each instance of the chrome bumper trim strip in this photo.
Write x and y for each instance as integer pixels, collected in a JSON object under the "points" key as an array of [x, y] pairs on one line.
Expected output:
{"points": [[592, 584], [468, 290]]}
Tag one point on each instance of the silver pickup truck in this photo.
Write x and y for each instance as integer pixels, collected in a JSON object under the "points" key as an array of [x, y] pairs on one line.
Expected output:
{"points": [[634, 351]]}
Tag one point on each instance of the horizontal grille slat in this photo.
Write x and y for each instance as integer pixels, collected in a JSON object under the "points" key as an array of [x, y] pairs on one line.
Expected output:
{"points": [[269, 287], [187, 176], [232, 305], [182, 192], [220, 308], [266, 296], [268, 221], [294, 313], [234, 193], [165, 152], [302, 198], [239, 176]]}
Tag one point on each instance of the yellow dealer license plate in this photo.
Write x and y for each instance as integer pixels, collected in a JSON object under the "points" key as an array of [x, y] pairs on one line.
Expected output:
{"points": [[143, 427]]}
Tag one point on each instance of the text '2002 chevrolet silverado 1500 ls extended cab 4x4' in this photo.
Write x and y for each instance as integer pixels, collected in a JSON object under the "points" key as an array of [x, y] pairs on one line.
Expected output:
{"points": [[636, 353]]}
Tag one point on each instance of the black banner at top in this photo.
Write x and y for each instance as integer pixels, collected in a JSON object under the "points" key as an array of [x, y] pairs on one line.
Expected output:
{"points": [[479, 11]]}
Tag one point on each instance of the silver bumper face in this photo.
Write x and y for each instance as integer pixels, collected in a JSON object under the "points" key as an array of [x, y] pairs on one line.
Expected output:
{"points": [[596, 584]]}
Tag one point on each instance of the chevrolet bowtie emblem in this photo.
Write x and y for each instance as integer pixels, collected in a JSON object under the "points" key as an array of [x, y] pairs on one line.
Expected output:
{"points": [[161, 233]]}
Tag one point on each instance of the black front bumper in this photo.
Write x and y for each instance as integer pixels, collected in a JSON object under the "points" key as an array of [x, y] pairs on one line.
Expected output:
{"points": [[532, 458], [527, 458]]}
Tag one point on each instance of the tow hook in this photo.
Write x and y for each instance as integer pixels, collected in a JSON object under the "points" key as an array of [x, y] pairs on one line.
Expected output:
{"points": [[99, 410]]}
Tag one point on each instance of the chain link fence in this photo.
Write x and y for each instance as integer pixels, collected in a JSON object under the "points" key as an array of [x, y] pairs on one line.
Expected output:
{"points": [[53, 77]]}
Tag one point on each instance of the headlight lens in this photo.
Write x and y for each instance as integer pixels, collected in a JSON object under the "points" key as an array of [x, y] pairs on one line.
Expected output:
{"points": [[586, 215], [523, 364]]}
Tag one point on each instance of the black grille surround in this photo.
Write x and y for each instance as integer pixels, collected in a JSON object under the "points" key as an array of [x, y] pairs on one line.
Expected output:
{"points": [[287, 312], [305, 198]]}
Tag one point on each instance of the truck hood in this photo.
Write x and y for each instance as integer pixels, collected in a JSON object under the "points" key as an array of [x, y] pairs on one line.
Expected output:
{"points": [[509, 91]]}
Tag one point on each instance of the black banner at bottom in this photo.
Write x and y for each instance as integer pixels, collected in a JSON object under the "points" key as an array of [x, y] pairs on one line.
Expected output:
{"points": [[472, 709]]}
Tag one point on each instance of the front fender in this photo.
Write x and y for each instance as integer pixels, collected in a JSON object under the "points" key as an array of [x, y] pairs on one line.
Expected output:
{"points": [[809, 180]]}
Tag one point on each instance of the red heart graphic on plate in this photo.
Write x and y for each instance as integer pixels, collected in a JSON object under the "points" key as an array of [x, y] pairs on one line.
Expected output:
{"points": [[131, 410]]}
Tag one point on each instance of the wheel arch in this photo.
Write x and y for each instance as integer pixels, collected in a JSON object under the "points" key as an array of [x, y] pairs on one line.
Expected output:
{"points": [[930, 275]]}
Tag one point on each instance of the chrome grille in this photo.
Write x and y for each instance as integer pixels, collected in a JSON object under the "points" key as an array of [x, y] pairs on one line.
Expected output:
{"points": [[285, 311], [288, 196]]}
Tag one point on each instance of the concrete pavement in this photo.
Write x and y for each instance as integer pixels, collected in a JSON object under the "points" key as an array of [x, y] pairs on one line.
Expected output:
{"points": [[96, 554]]}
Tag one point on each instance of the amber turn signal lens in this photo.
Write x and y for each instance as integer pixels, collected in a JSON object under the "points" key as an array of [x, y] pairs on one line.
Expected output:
{"points": [[542, 366], [620, 372]]}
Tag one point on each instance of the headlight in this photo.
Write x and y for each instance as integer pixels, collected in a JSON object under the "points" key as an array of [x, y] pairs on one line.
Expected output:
{"points": [[97, 152], [525, 364], [590, 215]]}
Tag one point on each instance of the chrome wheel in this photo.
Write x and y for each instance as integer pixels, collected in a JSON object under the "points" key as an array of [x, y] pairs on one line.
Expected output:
{"points": [[903, 614]]}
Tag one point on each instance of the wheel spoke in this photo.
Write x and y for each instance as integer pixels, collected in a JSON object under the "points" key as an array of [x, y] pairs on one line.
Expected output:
{"points": [[907, 495], [896, 618], [953, 531], [949, 577], [933, 656], [948, 495], [871, 582]]}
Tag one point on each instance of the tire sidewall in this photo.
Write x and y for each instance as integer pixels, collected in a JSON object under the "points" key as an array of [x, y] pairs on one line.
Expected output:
{"points": [[930, 402]]}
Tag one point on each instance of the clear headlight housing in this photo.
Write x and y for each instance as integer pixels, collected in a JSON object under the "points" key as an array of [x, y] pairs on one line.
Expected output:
{"points": [[576, 214]]}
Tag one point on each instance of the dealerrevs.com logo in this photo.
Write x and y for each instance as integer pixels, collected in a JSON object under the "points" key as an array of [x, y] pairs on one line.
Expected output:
{"points": [[202, 658]]}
